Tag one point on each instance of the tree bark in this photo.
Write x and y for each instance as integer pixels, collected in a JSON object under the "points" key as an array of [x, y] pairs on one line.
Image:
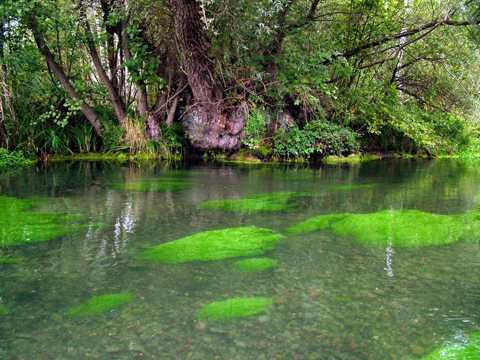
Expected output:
{"points": [[211, 122], [59, 73]]}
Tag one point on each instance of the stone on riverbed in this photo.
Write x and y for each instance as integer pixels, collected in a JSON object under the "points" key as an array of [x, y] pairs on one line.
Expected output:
{"points": [[235, 308], [215, 245]]}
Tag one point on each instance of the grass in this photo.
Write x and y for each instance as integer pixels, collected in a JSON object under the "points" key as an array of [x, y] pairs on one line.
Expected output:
{"points": [[101, 304], [273, 202], [467, 351], [21, 224], [158, 185], [256, 264], [409, 228], [235, 308], [214, 245]]}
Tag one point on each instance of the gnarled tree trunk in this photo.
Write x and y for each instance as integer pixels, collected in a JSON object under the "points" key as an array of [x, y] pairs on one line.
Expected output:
{"points": [[212, 122]]}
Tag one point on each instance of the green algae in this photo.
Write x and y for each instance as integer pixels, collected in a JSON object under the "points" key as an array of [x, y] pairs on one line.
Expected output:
{"points": [[350, 160], [274, 202], [351, 187], [101, 304], [214, 245], [235, 308], [3, 310], [409, 228], [467, 351], [256, 264], [157, 185], [21, 223], [10, 260]]}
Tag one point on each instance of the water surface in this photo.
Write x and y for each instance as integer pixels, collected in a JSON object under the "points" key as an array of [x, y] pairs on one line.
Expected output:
{"points": [[333, 298]]}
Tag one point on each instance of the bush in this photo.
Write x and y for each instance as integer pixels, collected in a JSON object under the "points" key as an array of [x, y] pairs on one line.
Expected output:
{"points": [[255, 129], [13, 159], [317, 138]]}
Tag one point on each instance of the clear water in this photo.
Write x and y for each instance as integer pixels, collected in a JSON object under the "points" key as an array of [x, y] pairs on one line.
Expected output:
{"points": [[333, 298]]}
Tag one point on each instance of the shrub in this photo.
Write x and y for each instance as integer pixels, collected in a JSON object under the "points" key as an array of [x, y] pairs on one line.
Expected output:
{"points": [[317, 138], [13, 159]]}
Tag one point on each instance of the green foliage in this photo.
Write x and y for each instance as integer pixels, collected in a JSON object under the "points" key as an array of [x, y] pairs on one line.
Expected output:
{"points": [[317, 138], [255, 129], [256, 264], [214, 245], [21, 224], [464, 351], [408, 228], [13, 159], [101, 304], [235, 308], [274, 202]]}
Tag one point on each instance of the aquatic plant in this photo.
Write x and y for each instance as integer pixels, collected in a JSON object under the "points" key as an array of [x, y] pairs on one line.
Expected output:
{"points": [[157, 185], [9, 260], [350, 187], [214, 245], [273, 202], [101, 304], [3, 310], [467, 351], [256, 264], [409, 228], [235, 308], [20, 223]]}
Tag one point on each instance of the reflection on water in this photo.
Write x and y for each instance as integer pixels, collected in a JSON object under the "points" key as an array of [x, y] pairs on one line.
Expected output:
{"points": [[333, 298]]}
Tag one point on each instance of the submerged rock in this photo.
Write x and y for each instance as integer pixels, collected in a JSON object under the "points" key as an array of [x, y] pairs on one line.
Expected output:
{"points": [[3, 310], [235, 308], [155, 185], [21, 224], [280, 201], [409, 228], [256, 264], [214, 245], [467, 351], [101, 304]]}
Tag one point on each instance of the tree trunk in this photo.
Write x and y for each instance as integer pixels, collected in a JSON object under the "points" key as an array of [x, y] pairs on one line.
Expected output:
{"points": [[210, 123], [59, 73]]}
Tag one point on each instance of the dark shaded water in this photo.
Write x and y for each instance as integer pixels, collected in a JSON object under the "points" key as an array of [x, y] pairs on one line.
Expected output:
{"points": [[333, 298]]}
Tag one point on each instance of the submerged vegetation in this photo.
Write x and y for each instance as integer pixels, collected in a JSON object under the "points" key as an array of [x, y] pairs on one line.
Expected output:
{"points": [[235, 308], [21, 223], [469, 350], [256, 264], [3, 310], [159, 185], [214, 245], [101, 304], [407, 228], [281, 201], [10, 260]]}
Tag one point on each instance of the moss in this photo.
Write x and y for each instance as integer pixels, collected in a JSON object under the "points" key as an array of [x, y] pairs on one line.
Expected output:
{"points": [[466, 351], [256, 264], [21, 224], [158, 185], [214, 245], [281, 201], [350, 187], [410, 228], [3, 310], [101, 304], [111, 156], [352, 159], [235, 308]]}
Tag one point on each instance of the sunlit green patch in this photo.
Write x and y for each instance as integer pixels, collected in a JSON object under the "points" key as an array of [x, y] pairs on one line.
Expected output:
{"points": [[214, 245], [280, 201], [157, 185], [351, 187], [101, 304], [235, 308], [410, 228], [3, 310], [21, 223], [256, 264], [467, 351]]}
